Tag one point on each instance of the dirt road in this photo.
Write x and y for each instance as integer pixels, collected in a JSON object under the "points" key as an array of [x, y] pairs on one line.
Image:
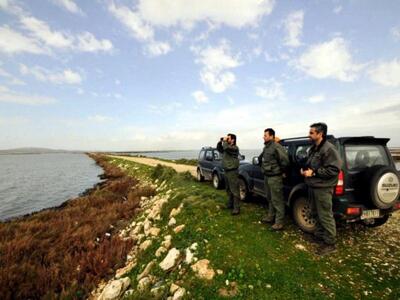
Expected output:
{"points": [[153, 162]]}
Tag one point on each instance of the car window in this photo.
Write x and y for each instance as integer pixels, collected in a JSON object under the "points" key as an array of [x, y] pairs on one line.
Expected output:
{"points": [[201, 154], [302, 153], [209, 154], [363, 156], [217, 155]]}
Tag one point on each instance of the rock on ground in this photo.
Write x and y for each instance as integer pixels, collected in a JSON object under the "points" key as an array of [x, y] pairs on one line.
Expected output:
{"points": [[170, 260], [180, 292], [115, 289], [203, 270]]}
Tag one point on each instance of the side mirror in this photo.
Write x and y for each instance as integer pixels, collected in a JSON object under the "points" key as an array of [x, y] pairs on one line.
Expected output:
{"points": [[241, 157], [255, 160]]}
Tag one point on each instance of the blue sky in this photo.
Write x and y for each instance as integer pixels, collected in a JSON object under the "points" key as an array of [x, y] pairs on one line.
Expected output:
{"points": [[178, 74]]}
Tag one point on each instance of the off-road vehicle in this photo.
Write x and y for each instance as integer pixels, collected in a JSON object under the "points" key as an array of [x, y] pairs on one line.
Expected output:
{"points": [[209, 166], [367, 189]]}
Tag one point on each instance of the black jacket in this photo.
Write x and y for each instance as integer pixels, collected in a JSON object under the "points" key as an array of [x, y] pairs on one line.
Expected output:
{"points": [[324, 160], [230, 157]]}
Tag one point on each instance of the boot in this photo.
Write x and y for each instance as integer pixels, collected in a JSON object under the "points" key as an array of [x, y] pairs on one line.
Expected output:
{"points": [[326, 249], [235, 211], [277, 226], [267, 219]]}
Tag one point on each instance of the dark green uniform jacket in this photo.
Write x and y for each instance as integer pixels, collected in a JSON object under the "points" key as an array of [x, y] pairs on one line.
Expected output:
{"points": [[324, 160], [274, 159], [230, 158]]}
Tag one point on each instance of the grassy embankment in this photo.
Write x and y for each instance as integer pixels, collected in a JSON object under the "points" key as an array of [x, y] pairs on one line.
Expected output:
{"points": [[65, 252], [261, 263]]}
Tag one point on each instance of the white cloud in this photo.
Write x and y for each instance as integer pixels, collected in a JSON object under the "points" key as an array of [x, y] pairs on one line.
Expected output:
{"points": [[13, 42], [99, 119], [4, 4], [386, 73], [337, 9], [11, 79], [294, 27], [200, 97], [270, 89], [216, 62], [69, 5], [395, 32], [42, 31], [87, 42], [316, 98], [158, 48], [331, 59], [235, 13], [9, 96], [133, 22], [66, 76]]}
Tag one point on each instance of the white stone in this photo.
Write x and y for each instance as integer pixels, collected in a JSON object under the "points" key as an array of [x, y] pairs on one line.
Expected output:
{"points": [[194, 246], [189, 256], [160, 251], [154, 231], [173, 288], [170, 260], [146, 270], [120, 272], [179, 228], [143, 284], [115, 289], [172, 222], [146, 244], [166, 244], [179, 294], [203, 270], [175, 211]]}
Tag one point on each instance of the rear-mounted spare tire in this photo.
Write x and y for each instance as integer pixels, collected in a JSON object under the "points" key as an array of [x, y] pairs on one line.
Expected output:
{"points": [[383, 186]]}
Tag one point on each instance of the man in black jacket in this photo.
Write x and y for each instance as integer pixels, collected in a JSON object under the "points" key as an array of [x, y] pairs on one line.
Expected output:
{"points": [[321, 176], [230, 164]]}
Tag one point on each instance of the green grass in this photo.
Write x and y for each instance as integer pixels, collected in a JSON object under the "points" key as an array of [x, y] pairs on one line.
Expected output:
{"points": [[263, 263]]}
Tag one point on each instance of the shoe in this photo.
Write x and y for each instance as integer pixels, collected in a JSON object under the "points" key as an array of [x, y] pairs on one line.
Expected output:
{"points": [[235, 212], [326, 249], [228, 207], [266, 220], [277, 227], [312, 239]]}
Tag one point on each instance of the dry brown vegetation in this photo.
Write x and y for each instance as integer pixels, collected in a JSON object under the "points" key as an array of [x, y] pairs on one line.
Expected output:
{"points": [[64, 252]]}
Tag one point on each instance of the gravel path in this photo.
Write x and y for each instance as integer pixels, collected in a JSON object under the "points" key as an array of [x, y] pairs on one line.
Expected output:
{"points": [[153, 162]]}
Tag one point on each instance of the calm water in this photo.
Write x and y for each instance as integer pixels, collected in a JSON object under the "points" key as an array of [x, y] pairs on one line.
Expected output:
{"points": [[30, 183]]}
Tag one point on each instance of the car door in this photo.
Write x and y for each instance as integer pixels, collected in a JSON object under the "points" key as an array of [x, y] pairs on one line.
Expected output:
{"points": [[258, 177], [208, 163]]}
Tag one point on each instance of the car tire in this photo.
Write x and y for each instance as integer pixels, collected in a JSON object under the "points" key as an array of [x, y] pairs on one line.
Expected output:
{"points": [[376, 222], [302, 215], [243, 190], [199, 177], [384, 186], [216, 181]]}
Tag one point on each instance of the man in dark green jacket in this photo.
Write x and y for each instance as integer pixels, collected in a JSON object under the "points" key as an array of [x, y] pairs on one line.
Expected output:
{"points": [[321, 175], [274, 162], [230, 164]]}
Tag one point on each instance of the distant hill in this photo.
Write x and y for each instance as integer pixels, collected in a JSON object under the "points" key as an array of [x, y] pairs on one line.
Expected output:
{"points": [[35, 151]]}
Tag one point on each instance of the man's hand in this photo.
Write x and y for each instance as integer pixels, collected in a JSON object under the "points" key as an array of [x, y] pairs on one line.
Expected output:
{"points": [[306, 172], [225, 138]]}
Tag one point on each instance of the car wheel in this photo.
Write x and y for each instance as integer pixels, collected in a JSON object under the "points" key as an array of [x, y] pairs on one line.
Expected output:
{"points": [[302, 215], [384, 186], [216, 181], [375, 222], [199, 177], [243, 190]]}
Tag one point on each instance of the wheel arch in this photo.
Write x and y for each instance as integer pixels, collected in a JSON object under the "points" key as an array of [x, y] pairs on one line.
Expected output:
{"points": [[298, 190]]}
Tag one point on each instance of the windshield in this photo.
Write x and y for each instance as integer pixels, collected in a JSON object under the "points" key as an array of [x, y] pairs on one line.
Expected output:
{"points": [[363, 156]]}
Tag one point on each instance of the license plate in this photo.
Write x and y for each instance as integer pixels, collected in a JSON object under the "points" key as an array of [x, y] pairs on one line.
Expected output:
{"points": [[370, 214]]}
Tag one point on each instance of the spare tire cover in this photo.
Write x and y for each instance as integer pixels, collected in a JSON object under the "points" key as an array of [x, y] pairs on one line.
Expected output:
{"points": [[384, 186]]}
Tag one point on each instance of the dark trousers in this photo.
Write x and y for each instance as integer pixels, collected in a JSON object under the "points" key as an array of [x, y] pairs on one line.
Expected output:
{"points": [[232, 188], [321, 209]]}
